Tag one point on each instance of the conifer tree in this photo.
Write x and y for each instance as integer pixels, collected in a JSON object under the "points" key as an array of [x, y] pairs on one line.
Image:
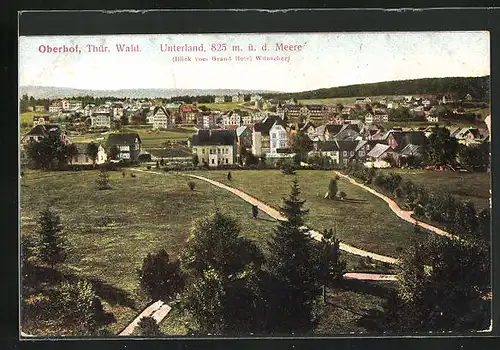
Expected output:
{"points": [[332, 267], [292, 268], [50, 248]]}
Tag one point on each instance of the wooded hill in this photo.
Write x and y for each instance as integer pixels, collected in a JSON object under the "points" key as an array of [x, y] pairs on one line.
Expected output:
{"points": [[478, 87]]}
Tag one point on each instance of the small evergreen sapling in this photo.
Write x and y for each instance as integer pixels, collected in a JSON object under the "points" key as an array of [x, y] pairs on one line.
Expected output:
{"points": [[51, 245], [103, 181], [332, 189], [255, 211], [332, 267]]}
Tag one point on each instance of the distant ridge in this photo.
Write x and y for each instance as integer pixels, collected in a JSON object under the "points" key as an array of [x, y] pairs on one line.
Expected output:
{"points": [[59, 92], [478, 87]]}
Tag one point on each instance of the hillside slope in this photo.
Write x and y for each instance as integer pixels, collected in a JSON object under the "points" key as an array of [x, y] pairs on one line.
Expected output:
{"points": [[478, 87]]}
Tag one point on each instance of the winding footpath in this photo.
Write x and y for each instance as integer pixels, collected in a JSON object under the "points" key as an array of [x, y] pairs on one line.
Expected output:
{"points": [[403, 214], [276, 215], [158, 310]]}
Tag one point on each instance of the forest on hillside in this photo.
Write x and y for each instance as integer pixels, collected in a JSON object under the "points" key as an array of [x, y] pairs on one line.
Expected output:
{"points": [[477, 87]]}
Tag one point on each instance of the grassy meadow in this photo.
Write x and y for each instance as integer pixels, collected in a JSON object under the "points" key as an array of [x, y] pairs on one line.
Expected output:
{"points": [[348, 100], [110, 232], [363, 220], [224, 107], [151, 138], [465, 185]]}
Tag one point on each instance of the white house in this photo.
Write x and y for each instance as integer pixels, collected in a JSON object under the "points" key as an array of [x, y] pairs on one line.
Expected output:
{"points": [[82, 157], [231, 119], [432, 118], [40, 120], [214, 147], [100, 120], [55, 106], [269, 136], [376, 117], [71, 104], [87, 110], [255, 98], [219, 99], [238, 98], [127, 144], [162, 119]]}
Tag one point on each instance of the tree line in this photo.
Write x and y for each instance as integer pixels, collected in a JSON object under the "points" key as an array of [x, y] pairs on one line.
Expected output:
{"points": [[478, 87], [457, 216]]}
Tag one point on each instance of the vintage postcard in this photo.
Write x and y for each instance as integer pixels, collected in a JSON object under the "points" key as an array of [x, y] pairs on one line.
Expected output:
{"points": [[255, 185]]}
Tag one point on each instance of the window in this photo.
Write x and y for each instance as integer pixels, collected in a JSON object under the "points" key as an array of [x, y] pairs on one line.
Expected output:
{"points": [[218, 150], [345, 153], [274, 144], [227, 161], [361, 153], [352, 153], [213, 161], [273, 135], [203, 151], [345, 161], [86, 158]]}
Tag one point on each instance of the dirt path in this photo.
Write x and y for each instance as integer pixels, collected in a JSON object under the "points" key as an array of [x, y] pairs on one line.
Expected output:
{"points": [[276, 215], [403, 214], [369, 276], [158, 310]]}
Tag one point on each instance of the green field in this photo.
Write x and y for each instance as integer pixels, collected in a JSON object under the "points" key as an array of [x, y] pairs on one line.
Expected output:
{"points": [[348, 100], [151, 139], [227, 106], [110, 232], [27, 117], [154, 138], [465, 185], [483, 112], [363, 220]]}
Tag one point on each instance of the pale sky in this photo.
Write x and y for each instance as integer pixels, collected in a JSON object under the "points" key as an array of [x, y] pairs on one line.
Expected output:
{"points": [[326, 60]]}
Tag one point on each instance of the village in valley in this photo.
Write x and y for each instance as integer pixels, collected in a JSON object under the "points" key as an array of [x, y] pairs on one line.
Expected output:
{"points": [[122, 201], [381, 132]]}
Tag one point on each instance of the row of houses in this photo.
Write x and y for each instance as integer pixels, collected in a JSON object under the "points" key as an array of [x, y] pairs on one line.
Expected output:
{"points": [[128, 145], [351, 142], [238, 98]]}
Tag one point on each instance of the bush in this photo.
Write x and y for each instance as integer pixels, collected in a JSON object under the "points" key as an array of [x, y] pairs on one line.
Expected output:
{"points": [[288, 169], [144, 157], [191, 185], [147, 327], [103, 181], [160, 277], [80, 306], [255, 211], [398, 193], [332, 189]]}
